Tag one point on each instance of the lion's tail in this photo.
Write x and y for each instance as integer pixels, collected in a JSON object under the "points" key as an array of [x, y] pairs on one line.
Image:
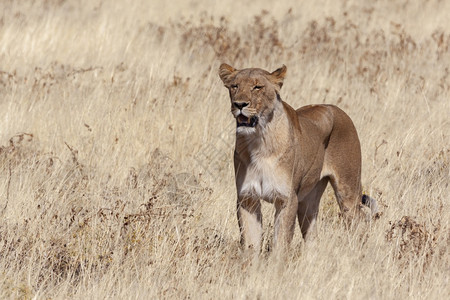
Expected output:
{"points": [[371, 203]]}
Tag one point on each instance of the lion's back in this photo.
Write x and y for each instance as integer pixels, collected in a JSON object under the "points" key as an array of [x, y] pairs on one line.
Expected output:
{"points": [[320, 115]]}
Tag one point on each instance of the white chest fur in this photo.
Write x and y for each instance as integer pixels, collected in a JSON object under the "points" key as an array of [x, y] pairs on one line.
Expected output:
{"points": [[265, 179]]}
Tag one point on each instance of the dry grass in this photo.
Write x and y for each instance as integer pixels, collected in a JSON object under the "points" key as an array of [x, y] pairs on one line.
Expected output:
{"points": [[116, 143]]}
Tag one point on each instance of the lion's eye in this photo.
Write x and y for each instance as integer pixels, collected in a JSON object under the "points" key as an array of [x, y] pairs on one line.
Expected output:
{"points": [[257, 87], [234, 86]]}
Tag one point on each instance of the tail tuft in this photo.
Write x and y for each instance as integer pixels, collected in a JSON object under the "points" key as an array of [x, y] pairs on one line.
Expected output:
{"points": [[371, 203]]}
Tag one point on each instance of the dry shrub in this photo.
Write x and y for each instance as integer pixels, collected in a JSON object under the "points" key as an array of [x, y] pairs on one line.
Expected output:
{"points": [[7, 79], [68, 235], [414, 242], [259, 37]]}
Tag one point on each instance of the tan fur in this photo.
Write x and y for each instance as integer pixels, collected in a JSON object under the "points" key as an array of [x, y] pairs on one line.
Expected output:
{"points": [[288, 157]]}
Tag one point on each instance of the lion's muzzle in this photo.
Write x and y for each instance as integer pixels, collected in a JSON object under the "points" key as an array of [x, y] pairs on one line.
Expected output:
{"points": [[246, 121]]}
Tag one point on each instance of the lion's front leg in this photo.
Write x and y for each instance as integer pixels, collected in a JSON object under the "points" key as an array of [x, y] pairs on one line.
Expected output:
{"points": [[285, 215], [250, 222]]}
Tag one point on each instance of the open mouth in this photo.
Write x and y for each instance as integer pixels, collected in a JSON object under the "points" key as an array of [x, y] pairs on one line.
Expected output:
{"points": [[246, 121]]}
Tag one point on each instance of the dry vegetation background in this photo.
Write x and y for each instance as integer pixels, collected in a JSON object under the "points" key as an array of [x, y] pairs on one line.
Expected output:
{"points": [[116, 141]]}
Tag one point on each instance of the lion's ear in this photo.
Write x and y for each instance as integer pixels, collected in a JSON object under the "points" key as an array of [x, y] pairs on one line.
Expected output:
{"points": [[277, 76], [225, 71]]}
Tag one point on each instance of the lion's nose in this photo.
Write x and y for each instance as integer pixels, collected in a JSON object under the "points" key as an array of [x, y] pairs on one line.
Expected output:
{"points": [[240, 105]]}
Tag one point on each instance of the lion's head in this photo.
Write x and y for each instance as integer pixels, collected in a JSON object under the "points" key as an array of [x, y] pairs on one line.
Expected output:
{"points": [[254, 94]]}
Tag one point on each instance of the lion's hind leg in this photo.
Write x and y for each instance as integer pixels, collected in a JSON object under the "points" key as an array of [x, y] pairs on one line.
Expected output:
{"points": [[348, 195], [308, 207]]}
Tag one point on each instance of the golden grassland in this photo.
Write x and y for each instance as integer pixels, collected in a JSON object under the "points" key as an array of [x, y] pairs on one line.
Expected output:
{"points": [[116, 142]]}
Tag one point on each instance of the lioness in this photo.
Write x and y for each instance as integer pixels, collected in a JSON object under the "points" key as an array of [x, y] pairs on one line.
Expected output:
{"points": [[287, 157]]}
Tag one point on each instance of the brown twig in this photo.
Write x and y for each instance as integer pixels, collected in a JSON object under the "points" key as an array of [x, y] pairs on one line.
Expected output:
{"points": [[7, 188]]}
